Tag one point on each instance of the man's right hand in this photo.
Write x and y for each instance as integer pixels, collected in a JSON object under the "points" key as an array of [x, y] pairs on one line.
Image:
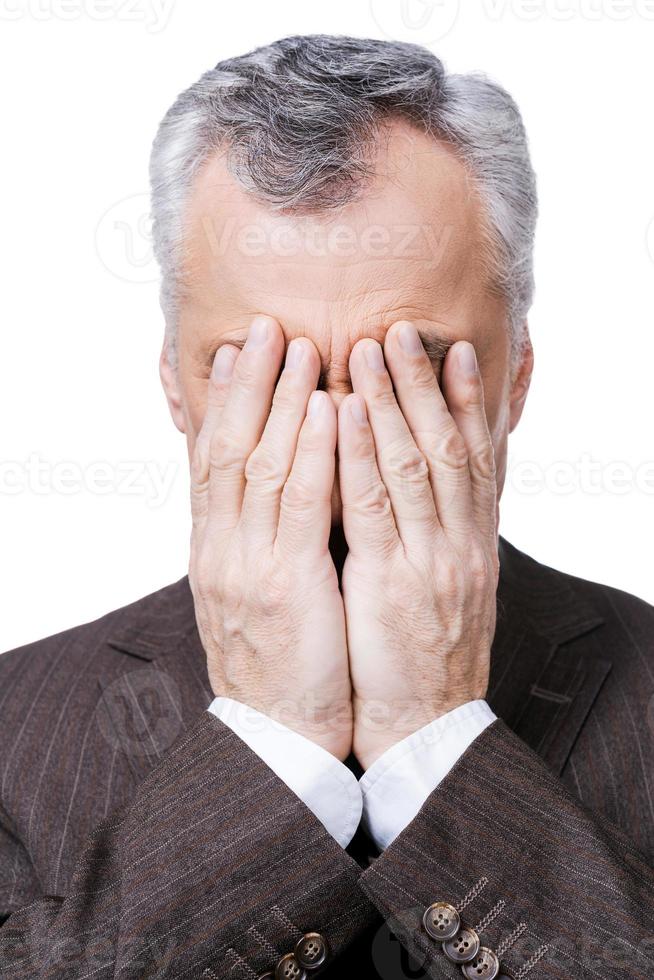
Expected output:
{"points": [[267, 600]]}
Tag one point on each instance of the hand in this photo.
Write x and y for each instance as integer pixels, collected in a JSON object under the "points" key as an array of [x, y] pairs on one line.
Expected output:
{"points": [[266, 593], [419, 514]]}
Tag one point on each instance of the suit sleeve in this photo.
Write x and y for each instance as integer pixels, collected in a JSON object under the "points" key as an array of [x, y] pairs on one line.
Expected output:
{"points": [[214, 866], [551, 888]]}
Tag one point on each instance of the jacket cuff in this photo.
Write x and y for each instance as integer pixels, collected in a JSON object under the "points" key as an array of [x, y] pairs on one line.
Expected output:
{"points": [[398, 783], [447, 854], [223, 862], [319, 779]]}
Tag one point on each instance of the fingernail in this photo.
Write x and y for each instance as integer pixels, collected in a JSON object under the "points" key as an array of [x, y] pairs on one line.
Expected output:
{"points": [[258, 333], [358, 410], [316, 404], [294, 354], [374, 357], [468, 359], [223, 364], [409, 339]]}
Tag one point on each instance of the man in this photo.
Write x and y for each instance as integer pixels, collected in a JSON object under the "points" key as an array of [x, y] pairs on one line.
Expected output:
{"points": [[425, 753]]}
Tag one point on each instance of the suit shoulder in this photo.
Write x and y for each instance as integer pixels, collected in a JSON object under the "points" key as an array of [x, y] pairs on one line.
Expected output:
{"points": [[26, 668], [627, 613]]}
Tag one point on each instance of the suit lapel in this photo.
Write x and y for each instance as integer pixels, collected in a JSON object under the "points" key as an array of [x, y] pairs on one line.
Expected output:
{"points": [[156, 690], [544, 676]]}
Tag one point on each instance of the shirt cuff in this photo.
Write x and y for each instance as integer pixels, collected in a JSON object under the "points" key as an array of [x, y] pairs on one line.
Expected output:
{"points": [[323, 783], [397, 784]]}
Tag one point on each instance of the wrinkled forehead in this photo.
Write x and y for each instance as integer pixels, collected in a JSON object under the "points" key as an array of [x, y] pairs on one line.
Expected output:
{"points": [[413, 233]]}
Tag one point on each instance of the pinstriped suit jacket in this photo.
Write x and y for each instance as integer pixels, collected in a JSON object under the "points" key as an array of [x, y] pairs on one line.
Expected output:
{"points": [[139, 837]]}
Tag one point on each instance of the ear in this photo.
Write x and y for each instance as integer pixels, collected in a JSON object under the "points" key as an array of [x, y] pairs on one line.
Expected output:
{"points": [[520, 381], [169, 380]]}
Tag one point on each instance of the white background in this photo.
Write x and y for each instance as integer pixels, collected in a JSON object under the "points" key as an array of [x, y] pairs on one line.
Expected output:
{"points": [[84, 85]]}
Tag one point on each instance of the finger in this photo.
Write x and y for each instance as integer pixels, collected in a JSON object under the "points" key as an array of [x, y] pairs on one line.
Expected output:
{"points": [[464, 393], [305, 506], [218, 384], [368, 521], [269, 466], [242, 420], [432, 426], [402, 465]]}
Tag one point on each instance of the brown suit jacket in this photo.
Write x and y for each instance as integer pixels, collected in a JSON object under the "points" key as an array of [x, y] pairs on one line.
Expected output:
{"points": [[140, 837]]}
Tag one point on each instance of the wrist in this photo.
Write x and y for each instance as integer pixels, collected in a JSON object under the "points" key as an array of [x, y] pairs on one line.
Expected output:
{"points": [[326, 725], [378, 725]]}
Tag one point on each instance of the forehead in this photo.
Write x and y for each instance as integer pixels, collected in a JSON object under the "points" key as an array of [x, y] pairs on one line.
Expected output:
{"points": [[409, 245]]}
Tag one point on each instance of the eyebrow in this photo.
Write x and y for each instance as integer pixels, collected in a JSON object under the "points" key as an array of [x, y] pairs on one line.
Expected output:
{"points": [[436, 347]]}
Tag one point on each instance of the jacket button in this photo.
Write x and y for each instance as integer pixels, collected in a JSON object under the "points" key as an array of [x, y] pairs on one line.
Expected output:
{"points": [[288, 968], [485, 965], [441, 921], [311, 951], [463, 947]]}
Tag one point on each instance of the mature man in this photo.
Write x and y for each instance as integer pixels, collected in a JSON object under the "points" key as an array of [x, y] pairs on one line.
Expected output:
{"points": [[404, 769]]}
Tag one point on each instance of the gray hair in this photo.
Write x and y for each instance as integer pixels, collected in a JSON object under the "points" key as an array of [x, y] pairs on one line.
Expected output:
{"points": [[297, 118]]}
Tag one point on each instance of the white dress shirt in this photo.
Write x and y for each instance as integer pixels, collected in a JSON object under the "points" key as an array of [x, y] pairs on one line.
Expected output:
{"points": [[390, 792]]}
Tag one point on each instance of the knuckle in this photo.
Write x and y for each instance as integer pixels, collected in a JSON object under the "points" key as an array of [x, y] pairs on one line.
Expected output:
{"points": [[375, 503], [274, 591], [383, 394], [409, 466], [450, 579], [423, 382], [478, 566], [263, 469], [202, 573], [199, 471], [450, 450], [225, 452], [361, 455], [482, 461], [231, 587], [199, 505], [296, 496]]}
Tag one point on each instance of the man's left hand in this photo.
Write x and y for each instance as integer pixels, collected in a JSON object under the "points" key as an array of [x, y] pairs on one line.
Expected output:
{"points": [[418, 487]]}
